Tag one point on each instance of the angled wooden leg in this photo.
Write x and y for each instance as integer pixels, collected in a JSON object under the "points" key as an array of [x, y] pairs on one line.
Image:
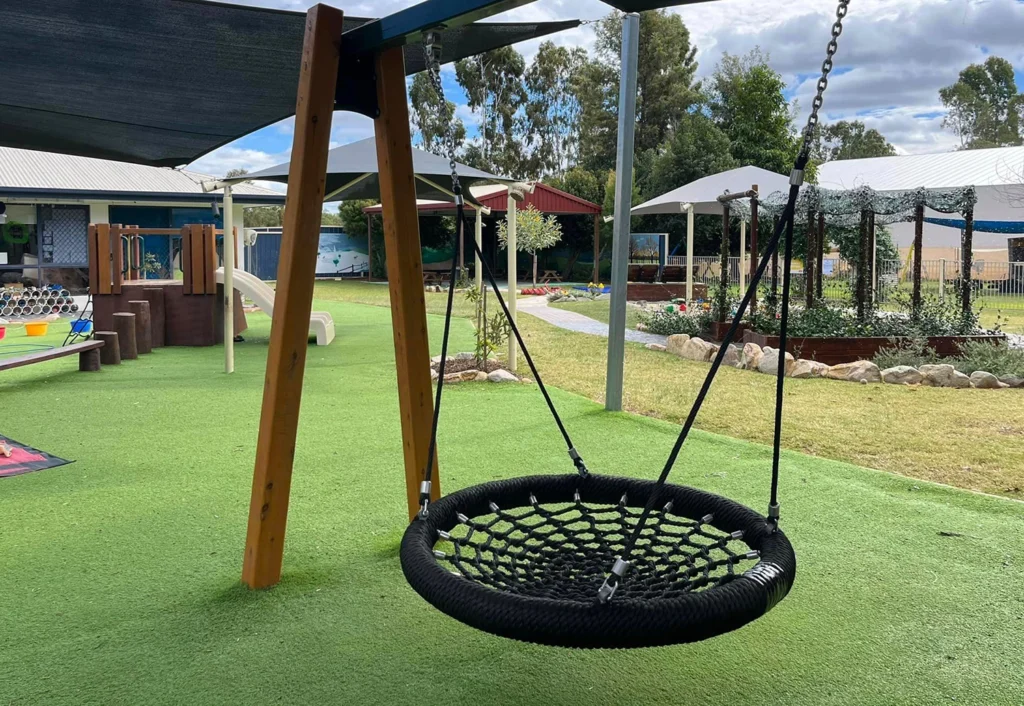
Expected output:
{"points": [[405, 272], [286, 360]]}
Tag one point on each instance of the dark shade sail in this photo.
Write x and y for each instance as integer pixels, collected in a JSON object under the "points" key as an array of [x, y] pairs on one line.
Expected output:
{"points": [[163, 82], [644, 5], [352, 174]]}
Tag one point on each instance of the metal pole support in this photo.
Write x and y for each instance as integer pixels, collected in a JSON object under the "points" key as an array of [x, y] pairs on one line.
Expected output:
{"points": [[623, 205]]}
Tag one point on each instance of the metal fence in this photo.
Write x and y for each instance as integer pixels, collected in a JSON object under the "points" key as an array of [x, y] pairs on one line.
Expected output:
{"points": [[996, 285]]}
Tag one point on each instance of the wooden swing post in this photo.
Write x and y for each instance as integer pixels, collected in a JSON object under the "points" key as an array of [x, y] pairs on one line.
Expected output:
{"points": [[286, 359], [405, 273]]}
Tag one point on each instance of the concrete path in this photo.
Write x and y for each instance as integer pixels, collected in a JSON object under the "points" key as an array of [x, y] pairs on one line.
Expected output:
{"points": [[570, 320]]}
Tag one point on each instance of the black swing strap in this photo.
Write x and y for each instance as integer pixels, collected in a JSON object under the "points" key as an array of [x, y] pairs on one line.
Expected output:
{"points": [[573, 454], [577, 460], [621, 565]]}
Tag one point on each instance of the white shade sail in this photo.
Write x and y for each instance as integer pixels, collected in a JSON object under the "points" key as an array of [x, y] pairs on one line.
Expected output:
{"points": [[703, 193]]}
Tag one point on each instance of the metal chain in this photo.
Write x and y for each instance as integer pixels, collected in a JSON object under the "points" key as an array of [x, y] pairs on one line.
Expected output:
{"points": [[826, 69], [432, 57]]}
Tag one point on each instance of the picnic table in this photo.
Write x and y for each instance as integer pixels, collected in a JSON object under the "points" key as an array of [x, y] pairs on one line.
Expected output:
{"points": [[550, 276]]}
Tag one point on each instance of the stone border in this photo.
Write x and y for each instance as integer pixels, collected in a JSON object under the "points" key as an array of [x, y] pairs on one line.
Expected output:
{"points": [[766, 360], [498, 375]]}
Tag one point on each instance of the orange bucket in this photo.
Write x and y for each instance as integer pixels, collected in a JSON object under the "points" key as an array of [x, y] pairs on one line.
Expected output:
{"points": [[38, 328]]}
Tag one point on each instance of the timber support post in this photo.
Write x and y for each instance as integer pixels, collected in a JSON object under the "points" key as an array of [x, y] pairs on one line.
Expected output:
{"points": [[722, 298], [820, 269], [811, 261], [918, 247], [286, 358], [862, 266], [966, 261], [754, 258], [405, 274]]}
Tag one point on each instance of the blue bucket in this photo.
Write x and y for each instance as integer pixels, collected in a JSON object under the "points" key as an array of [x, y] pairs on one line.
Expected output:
{"points": [[82, 326]]}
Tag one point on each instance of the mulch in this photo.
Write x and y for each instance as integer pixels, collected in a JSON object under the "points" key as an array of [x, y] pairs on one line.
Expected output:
{"points": [[457, 365]]}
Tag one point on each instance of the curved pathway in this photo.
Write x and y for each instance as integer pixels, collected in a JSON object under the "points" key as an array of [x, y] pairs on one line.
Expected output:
{"points": [[570, 320]]}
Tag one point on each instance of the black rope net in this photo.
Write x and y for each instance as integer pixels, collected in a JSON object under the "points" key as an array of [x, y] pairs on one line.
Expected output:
{"points": [[562, 551]]}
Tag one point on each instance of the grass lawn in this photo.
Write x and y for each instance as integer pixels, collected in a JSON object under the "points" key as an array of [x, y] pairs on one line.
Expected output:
{"points": [[119, 573], [967, 438], [598, 309]]}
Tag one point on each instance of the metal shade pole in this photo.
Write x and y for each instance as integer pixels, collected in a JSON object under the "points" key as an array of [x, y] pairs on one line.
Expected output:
{"points": [[623, 204]]}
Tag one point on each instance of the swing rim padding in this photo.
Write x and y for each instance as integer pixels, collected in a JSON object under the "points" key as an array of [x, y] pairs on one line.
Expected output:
{"points": [[623, 622]]}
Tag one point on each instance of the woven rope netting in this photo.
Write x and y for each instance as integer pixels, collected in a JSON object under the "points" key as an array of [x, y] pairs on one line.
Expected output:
{"points": [[562, 551]]}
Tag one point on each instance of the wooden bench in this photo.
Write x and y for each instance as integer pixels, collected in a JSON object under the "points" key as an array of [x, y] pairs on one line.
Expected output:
{"points": [[88, 356]]}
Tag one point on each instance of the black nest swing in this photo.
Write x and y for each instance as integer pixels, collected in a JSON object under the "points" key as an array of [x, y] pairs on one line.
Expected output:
{"points": [[594, 561]]}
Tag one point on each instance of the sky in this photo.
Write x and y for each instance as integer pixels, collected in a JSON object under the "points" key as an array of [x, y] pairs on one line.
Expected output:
{"points": [[893, 58]]}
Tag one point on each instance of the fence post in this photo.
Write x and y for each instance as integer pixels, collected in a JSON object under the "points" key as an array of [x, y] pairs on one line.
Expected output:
{"points": [[942, 280]]}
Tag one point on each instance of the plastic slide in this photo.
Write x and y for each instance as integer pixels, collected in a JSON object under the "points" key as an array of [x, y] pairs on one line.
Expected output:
{"points": [[320, 322]]}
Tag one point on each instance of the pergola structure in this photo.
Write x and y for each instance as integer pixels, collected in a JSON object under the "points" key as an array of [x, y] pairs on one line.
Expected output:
{"points": [[865, 209]]}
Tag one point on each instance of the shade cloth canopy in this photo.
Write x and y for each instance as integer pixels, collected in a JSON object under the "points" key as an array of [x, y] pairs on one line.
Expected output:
{"points": [[644, 5], [704, 192], [352, 174], [163, 82]]}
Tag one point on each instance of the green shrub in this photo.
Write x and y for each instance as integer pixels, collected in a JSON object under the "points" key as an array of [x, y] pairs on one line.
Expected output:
{"points": [[998, 359], [914, 352], [826, 320], [669, 323]]}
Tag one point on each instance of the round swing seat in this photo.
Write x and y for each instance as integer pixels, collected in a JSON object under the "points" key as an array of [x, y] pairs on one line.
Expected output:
{"points": [[524, 559]]}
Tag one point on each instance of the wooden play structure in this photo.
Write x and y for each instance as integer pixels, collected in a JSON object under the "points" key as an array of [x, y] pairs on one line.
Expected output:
{"points": [[182, 312]]}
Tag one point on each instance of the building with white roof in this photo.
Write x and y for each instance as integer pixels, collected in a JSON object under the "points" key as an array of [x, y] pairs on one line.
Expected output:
{"points": [[51, 199]]}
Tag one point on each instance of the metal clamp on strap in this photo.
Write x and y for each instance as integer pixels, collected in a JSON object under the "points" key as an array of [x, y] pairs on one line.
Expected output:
{"points": [[611, 582], [432, 48], [424, 499], [578, 462], [796, 177], [773, 516]]}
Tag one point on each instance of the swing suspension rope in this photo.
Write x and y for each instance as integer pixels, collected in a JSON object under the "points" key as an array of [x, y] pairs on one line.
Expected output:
{"points": [[432, 50], [705, 553]]}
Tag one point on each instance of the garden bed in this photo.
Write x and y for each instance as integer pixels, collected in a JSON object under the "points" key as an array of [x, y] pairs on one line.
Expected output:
{"points": [[717, 330], [835, 350], [657, 291]]}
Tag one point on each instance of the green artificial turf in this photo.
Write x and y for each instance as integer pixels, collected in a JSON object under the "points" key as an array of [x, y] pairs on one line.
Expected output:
{"points": [[119, 574]]}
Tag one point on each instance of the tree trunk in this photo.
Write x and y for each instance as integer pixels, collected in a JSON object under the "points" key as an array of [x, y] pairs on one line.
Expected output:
{"points": [[535, 269]]}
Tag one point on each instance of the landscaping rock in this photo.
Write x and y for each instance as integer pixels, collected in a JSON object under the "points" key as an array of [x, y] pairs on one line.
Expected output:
{"points": [[436, 359], [802, 368], [675, 343], [902, 375], [500, 375], [697, 349], [481, 376], [943, 375], [464, 376], [733, 356], [465, 356], [1011, 380], [769, 363], [751, 355], [857, 371], [433, 375], [656, 347], [960, 380], [984, 381]]}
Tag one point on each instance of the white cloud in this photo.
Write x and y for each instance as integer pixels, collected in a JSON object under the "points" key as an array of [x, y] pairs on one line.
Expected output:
{"points": [[224, 159], [896, 55]]}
